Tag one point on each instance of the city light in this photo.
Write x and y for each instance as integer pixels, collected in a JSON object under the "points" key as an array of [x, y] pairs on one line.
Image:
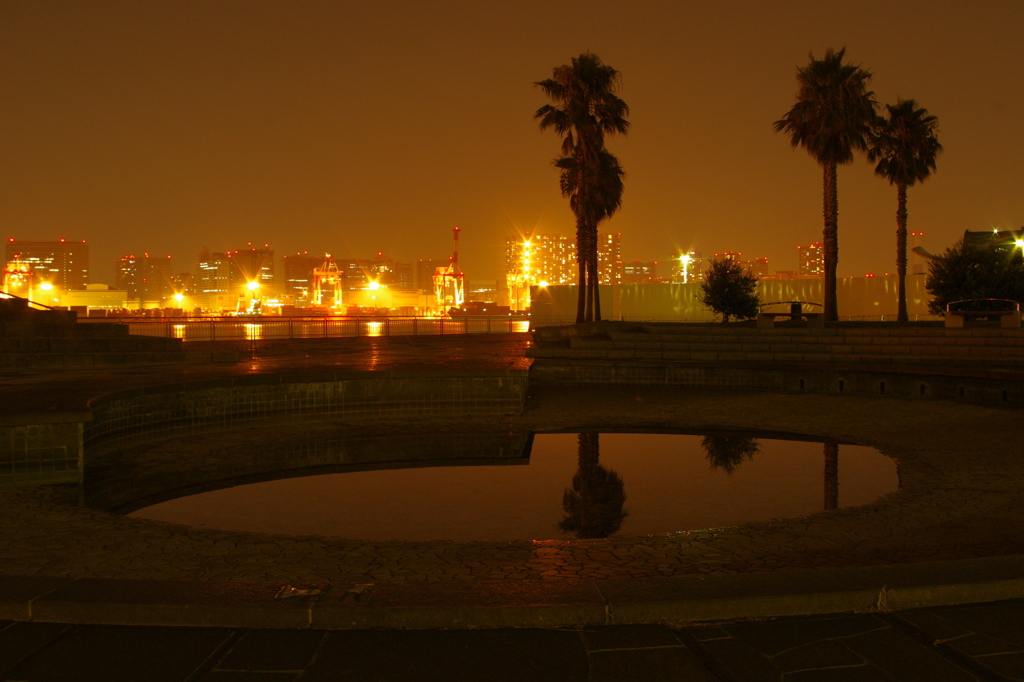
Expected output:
{"points": [[253, 286]]}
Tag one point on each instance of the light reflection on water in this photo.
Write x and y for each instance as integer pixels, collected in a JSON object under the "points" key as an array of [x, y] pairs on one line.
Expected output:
{"points": [[647, 484]]}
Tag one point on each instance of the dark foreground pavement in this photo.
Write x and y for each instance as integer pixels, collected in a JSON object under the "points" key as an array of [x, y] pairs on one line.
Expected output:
{"points": [[971, 642]]}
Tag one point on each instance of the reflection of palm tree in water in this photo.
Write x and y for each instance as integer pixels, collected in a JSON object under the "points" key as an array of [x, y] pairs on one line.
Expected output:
{"points": [[727, 451], [593, 505], [831, 475]]}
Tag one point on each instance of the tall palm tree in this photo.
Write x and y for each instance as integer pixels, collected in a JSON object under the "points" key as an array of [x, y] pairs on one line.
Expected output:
{"points": [[603, 199], [831, 119], [585, 109], [905, 147]]}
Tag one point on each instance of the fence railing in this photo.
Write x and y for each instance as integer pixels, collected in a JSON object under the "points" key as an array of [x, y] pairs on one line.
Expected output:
{"points": [[258, 328]]}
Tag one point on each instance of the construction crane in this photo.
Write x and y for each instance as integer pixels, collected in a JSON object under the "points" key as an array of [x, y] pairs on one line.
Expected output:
{"points": [[328, 277], [450, 282]]}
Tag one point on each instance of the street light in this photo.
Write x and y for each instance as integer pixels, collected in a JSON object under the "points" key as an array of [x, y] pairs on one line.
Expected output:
{"points": [[684, 260]]}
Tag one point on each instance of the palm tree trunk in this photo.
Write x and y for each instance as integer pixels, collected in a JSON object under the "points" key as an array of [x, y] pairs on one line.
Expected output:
{"points": [[581, 261], [831, 475], [581, 300], [830, 239], [901, 252], [595, 276]]}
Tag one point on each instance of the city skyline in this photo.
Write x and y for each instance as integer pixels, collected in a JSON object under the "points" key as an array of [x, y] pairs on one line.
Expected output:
{"points": [[168, 126]]}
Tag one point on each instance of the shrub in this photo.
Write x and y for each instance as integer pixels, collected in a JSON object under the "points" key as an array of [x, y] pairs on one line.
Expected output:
{"points": [[729, 290], [965, 272]]}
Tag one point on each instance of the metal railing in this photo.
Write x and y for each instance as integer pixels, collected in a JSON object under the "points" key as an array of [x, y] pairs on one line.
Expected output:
{"points": [[258, 328]]}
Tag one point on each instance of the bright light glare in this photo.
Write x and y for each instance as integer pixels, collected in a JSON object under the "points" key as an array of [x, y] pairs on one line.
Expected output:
{"points": [[253, 286], [373, 286], [179, 298], [1019, 243], [46, 286]]}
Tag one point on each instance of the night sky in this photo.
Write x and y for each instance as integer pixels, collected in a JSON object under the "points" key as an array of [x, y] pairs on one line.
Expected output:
{"points": [[362, 127]]}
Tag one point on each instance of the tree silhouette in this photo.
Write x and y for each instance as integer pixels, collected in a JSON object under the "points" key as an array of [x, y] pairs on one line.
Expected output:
{"points": [[593, 505], [905, 147], [831, 119], [968, 271], [729, 290], [727, 451], [585, 109]]}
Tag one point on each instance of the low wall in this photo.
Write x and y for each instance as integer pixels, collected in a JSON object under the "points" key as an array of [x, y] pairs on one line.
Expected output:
{"points": [[52, 448]]}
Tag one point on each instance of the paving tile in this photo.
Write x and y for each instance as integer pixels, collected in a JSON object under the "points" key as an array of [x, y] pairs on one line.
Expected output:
{"points": [[666, 664], [273, 650], [1002, 620], [19, 641], [1009, 666], [415, 655], [774, 637], [863, 673], [740, 661], [628, 637], [111, 653], [905, 659], [828, 653], [250, 676]]}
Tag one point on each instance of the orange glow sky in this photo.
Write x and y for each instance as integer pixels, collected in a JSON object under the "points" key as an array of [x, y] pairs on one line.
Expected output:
{"points": [[362, 127]]}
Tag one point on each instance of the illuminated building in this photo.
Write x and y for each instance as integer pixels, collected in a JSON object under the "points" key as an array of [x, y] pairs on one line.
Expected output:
{"points": [[543, 259], [1000, 240], [144, 278], [382, 269], [297, 275], [231, 272], [686, 266], [552, 259], [636, 272], [811, 259], [423, 278], [609, 258], [63, 264]]}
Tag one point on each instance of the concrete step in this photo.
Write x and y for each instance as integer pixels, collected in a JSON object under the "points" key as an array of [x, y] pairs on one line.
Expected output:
{"points": [[78, 360]]}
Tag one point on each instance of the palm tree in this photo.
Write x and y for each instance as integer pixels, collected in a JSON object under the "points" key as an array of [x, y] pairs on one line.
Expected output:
{"points": [[585, 109], [831, 119], [905, 147], [604, 198]]}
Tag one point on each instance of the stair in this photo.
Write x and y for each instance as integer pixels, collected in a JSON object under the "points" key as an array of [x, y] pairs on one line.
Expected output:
{"points": [[52, 338], [877, 344]]}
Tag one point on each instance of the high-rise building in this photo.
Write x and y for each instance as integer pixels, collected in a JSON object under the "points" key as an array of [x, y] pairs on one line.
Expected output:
{"points": [[686, 266], [541, 258], [145, 278], [424, 269], [637, 272], [609, 258], [811, 259], [63, 264], [297, 274], [232, 271], [551, 259]]}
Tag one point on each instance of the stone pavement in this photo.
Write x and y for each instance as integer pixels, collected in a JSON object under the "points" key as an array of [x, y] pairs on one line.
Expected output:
{"points": [[939, 644], [952, 534]]}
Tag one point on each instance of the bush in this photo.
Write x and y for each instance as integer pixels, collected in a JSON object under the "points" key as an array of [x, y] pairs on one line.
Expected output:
{"points": [[729, 290], [965, 272]]}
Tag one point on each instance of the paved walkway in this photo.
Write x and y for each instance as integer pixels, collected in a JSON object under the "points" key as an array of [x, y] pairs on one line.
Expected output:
{"points": [[951, 534], [944, 644]]}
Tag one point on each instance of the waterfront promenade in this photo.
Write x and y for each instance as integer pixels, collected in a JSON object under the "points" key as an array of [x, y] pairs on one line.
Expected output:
{"points": [[952, 534]]}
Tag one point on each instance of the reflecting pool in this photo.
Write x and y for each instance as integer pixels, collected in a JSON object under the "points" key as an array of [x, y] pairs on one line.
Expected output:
{"points": [[564, 485]]}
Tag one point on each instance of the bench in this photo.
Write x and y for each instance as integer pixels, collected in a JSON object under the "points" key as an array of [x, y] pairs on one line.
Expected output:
{"points": [[796, 312], [1009, 317]]}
